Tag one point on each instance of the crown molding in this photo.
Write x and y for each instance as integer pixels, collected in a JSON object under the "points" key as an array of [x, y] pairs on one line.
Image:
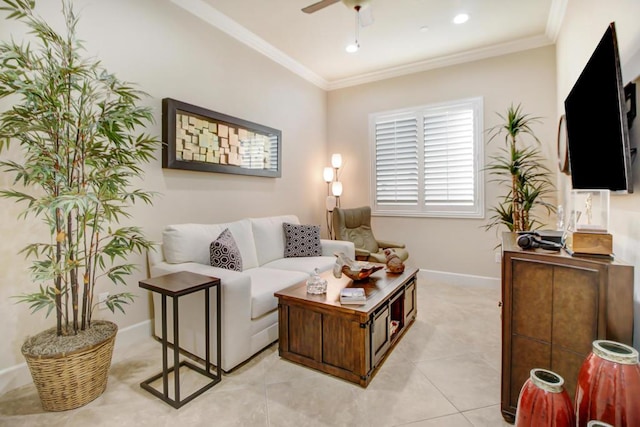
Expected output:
{"points": [[444, 61], [215, 18], [555, 18], [227, 25]]}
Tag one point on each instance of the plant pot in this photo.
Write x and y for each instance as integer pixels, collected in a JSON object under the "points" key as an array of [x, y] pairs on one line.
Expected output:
{"points": [[68, 380], [543, 402], [609, 386]]}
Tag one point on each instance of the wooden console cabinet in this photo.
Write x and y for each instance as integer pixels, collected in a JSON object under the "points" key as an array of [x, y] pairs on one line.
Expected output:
{"points": [[553, 307], [347, 341]]}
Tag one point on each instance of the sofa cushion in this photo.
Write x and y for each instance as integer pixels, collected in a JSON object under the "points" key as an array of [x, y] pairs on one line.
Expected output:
{"points": [[269, 236], [190, 242], [265, 282], [224, 252], [304, 264], [301, 240]]}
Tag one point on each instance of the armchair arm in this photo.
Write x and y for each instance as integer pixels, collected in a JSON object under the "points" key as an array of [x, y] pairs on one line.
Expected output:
{"points": [[362, 252], [387, 244], [331, 247]]}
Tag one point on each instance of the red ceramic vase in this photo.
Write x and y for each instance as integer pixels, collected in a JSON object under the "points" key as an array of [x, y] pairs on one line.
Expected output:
{"points": [[609, 386], [543, 402]]}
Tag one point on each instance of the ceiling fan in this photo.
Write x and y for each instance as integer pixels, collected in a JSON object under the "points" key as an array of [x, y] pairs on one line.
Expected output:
{"points": [[362, 8]]}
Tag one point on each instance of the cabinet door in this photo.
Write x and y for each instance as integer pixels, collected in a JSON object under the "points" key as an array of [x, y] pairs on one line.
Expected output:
{"points": [[380, 334], [575, 320], [526, 354], [575, 308], [342, 343], [409, 302], [529, 328], [531, 298], [305, 333], [554, 320]]}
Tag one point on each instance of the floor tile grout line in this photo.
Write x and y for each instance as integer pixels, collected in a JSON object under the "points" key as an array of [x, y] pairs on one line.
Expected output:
{"points": [[437, 388]]}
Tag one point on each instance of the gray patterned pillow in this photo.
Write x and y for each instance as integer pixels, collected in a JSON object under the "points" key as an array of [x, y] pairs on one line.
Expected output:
{"points": [[301, 240], [224, 253]]}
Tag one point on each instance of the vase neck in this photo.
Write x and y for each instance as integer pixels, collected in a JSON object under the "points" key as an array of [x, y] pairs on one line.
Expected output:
{"points": [[615, 352], [547, 380]]}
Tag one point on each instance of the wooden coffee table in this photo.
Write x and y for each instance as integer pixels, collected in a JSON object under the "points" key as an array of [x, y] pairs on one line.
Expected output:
{"points": [[348, 341]]}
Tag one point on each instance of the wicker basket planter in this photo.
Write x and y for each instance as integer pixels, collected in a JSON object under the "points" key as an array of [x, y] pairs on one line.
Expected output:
{"points": [[69, 380]]}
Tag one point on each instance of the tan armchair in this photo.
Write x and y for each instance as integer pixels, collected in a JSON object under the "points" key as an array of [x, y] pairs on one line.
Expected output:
{"points": [[354, 225]]}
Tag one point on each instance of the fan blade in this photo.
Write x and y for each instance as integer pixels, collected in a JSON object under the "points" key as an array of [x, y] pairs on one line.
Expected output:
{"points": [[366, 16], [319, 5]]}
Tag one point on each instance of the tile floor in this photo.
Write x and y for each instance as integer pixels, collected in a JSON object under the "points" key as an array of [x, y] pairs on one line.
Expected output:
{"points": [[444, 372]]}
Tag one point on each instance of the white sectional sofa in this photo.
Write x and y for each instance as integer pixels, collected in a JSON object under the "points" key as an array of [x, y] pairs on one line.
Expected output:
{"points": [[249, 309]]}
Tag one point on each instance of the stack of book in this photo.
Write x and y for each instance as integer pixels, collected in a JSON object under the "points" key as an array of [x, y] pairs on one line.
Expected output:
{"points": [[355, 296]]}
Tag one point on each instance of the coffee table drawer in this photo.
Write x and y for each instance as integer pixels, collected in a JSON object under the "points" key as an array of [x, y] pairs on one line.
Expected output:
{"points": [[380, 334]]}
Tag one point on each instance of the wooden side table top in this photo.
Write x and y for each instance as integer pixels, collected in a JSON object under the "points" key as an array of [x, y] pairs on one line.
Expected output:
{"points": [[180, 283]]}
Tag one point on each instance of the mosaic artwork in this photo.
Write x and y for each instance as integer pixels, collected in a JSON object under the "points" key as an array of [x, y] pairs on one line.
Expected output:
{"points": [[209, 141]]}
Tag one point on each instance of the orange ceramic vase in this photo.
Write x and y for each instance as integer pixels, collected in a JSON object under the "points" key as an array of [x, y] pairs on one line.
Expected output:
{"points": [[609, 386], [543, 402]]}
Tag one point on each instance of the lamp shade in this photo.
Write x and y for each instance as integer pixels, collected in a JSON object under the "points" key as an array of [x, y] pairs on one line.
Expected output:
{"points": [[336, 160], [327, 174], [336, 188]]}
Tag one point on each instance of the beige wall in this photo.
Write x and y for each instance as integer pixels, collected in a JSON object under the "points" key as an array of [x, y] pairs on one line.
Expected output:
{"points": [[170, 53], [452, 245], [584, 24]]}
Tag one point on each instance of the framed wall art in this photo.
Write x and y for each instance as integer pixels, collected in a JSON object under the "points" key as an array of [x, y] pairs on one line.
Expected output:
{"points": [[203, 140]]}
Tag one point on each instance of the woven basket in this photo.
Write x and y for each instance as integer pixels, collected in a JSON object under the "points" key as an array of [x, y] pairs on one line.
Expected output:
{"points": [[72, 380]]}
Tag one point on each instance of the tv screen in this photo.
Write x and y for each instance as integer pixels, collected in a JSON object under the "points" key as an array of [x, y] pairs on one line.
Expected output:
{"points": [[597, 129]]}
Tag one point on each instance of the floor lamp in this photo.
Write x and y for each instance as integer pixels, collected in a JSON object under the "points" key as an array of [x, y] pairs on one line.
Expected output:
{"points": [[334, 189]]}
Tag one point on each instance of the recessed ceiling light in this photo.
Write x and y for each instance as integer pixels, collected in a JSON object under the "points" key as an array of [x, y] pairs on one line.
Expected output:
{"points": [[461, 18], [352, 48], [424, 29]]}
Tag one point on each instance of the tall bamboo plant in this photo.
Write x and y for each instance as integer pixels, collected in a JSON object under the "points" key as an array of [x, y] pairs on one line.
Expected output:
{"points": [[78, 127], [520, 167]]}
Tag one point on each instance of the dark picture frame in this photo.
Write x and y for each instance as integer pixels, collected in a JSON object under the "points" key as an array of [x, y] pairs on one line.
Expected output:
{"points": [[203, 140]]}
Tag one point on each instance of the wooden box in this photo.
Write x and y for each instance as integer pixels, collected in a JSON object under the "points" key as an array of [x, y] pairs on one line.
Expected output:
{"points": [[590, 243]]}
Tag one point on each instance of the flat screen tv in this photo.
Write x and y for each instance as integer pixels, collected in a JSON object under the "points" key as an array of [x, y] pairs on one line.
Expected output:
{"points": [[596, 120]]}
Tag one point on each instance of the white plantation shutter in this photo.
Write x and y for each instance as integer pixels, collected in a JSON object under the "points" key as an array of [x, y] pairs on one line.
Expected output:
{"points": [[427, 161], [396, 161], [448, 156]]}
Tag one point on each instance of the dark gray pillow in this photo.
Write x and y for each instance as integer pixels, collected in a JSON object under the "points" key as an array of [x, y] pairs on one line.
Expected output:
{"points": [[224, 253], [301, 240]]}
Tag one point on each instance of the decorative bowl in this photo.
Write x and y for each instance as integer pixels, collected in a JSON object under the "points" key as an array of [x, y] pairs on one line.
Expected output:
{"points": [[361, 271]]}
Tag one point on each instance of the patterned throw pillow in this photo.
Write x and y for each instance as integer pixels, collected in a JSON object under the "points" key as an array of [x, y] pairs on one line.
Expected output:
{"points": [[301, 240], [224, 253]]}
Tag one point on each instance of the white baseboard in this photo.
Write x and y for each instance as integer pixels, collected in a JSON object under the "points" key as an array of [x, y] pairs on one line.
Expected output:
{"points": [[130, 336], [462, 279], [14, 377], [18, 375]]}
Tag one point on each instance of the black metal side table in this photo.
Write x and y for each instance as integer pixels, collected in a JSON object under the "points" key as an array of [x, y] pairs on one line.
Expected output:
{"points": [[175, 285]]}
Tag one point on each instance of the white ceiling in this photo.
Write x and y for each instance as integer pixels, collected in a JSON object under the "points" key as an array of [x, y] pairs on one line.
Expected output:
{"points": [[312, 45]]}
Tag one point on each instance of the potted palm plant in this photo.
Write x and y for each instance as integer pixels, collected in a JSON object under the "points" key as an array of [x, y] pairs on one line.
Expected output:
{"points": [[78, 128], [520, 167]]}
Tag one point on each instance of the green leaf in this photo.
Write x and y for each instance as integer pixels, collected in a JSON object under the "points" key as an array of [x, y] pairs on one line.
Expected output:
{"points": [[118, 301], [521, 169], [83, 142]]}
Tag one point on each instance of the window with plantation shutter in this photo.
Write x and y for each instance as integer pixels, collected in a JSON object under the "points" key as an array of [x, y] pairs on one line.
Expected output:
{"points": [[427, 160], [396, 140]]}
